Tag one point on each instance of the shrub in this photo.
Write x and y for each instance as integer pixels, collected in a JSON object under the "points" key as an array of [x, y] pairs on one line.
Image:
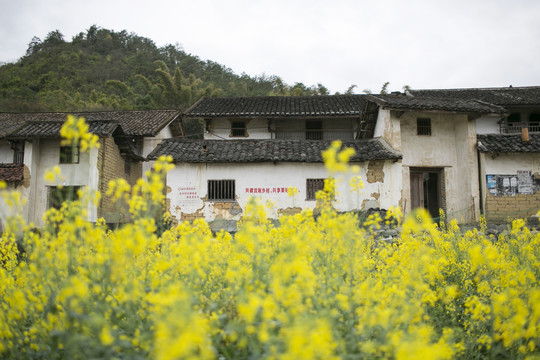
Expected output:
{"points": [[305, 288]]}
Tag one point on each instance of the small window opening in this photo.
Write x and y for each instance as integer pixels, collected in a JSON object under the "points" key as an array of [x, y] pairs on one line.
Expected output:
{"points": [[423, 126], [221, 190], [238, 129], [312, 186], [534, 122], [514, 118], [314, 130], [69, 154], [18, 152]]}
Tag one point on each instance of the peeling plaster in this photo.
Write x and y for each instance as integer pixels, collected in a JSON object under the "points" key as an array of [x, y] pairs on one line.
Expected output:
{"points": [[375, 172], [289, 211]]}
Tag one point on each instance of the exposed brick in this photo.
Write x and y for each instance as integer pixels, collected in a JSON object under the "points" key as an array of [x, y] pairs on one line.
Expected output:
{"points": [[111, 166], [501, 208]]}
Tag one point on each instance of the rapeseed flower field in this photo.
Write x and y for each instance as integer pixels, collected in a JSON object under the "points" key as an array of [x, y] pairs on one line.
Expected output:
{"points": [[309, 287]]}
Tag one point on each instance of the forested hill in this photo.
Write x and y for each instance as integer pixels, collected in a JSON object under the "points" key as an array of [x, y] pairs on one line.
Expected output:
{"points": [[100, 69]]}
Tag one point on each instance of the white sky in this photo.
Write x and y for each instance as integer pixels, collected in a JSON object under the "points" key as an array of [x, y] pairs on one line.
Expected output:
{"points": [[420, 43]]}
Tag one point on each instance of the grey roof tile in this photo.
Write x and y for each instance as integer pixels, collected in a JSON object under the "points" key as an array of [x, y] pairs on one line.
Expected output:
{"points": [[134, 123], [507, 96], [226, 151], [420, 103], [278, 106], [503, 143], [51, 129]]}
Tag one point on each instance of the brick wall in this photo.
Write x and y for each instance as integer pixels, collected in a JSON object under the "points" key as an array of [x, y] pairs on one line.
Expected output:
{"points": [[503, 208], [112, 166]]}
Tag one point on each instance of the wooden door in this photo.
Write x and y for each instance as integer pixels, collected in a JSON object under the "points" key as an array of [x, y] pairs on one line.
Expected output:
{"points": [[417, 190]]}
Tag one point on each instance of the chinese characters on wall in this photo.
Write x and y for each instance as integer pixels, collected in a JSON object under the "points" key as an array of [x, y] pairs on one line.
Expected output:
{"points": [[266, 190]]}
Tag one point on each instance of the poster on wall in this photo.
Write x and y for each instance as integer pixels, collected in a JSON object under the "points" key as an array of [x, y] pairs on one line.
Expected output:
{"points": [[525, 183], [510, 185]]}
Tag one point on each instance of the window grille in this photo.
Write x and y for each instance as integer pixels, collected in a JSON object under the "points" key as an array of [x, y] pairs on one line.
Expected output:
{"points": [[18, 152], [534, 122], [312, 186], [423, 126], [221, 190], [238, 129], [314, 130], [69, 154]]}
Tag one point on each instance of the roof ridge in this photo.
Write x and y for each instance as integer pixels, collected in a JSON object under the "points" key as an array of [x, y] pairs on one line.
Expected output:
{"points": [[482, 88]]}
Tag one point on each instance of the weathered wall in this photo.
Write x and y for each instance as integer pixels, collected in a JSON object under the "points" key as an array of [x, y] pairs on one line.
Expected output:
{"points": [[450, 147], [44, 155], [23, 187], [488, 124], [513, 196], [388, 127], [269, 181], [150, 144], [111, 165], [6, 154]]}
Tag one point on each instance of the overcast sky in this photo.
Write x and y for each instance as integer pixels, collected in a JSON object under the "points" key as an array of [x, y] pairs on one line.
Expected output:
{"points": [[420, 43]]}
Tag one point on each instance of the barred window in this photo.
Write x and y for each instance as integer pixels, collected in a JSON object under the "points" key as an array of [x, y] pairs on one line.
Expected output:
{"points": [[314, 130], [312, 186], [221, 190], [69, 154], [18, 152], [423, 126], [238, 129]]}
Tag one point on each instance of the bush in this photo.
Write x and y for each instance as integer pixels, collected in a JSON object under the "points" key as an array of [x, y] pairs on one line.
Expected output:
{"points": [[305, 288]]}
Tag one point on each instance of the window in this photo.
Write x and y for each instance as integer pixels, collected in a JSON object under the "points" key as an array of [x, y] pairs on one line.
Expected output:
{"points": [[221, 190], [514, 118], [312, 186], [18, 152], [69, 154], [534, 122], [238, 129], [423, 126], [314, 130], [60, 194]]}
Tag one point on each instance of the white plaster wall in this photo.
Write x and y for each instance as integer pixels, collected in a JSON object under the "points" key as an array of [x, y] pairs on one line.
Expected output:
{"points": [[450, 146], [389, 128], [488, 124], [188, 183], [510, 164], [6, 154], [85, 173], [220, 129], [149, 144]]}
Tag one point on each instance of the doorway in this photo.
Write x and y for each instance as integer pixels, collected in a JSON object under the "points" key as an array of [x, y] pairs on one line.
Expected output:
{"points": [[426, 190]]}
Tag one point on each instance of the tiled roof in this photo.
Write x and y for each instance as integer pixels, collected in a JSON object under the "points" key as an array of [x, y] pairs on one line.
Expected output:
{"points": [[11, 172], [134, 123], [10, 122], [50, 129], [405, 102], [507, 96], [278, 106], [227, 151], [499, 143]]}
